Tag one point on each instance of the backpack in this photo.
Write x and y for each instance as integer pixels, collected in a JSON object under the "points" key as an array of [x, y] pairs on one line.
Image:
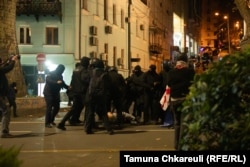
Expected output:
{"points": [[97, 86]]}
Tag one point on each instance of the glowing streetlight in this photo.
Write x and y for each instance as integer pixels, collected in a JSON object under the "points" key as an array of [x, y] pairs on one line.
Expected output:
{"points": [[228, 30], [228, 34]]}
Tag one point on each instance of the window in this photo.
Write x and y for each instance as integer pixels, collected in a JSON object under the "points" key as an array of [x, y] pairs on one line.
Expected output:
{"points": [[114, 14], [51, 36], [105, 10], [144, 32], [25, 35], [114, 55], [144, 1], [122, 58], [137, 25], [106, 48], [84, 4], [122, 19]]}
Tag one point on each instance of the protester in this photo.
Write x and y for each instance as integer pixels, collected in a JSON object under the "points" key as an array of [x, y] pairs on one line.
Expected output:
{"points": [[5, 67], [179, 81], [54, 84], [167, 118]]}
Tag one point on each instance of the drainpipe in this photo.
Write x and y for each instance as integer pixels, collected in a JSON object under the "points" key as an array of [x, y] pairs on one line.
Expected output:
{"points": [[80, 30], [129, 36]]}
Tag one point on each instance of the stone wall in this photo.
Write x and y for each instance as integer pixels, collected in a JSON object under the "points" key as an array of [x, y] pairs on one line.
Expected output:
{"points": [[30, 103]]}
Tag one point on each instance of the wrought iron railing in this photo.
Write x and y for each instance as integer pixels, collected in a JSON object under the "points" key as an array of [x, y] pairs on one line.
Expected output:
{"points": [[39, 8]]}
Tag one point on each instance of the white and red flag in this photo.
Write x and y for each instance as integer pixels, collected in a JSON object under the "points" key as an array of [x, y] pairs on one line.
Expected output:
{"points": [[165, 99]]}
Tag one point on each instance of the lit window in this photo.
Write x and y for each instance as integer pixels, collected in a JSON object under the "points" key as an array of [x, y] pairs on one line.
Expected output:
{"points": [[51, 36]]}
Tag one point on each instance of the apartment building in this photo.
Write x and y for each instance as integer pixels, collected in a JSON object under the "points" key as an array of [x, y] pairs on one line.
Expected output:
{"points": [[45, 27], [123, 33]]}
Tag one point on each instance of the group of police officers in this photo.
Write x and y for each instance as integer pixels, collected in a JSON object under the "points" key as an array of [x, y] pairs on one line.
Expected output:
{"points": [[142, 90]]}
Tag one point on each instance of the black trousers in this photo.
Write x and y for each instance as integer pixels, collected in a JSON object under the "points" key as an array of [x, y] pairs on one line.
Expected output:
{"points": [[175, 105], [96, 106], [52, 107], [77, 107]]}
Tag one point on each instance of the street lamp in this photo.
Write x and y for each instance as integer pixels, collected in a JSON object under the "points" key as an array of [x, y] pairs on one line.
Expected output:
{"points": [[228, 34], [228, 30]]}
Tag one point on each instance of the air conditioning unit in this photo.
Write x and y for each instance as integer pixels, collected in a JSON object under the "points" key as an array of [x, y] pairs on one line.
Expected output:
{"points": [[93, 30], [142, 27], [108, 29], [93, 41], [93, 54], [104, 56]]}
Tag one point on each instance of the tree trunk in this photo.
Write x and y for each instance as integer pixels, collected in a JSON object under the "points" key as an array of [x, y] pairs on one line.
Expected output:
{"points": [[245, 13], [8, 42]]}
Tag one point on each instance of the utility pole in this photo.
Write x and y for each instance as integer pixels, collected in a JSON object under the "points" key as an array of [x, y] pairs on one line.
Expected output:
{"points": [[129, 37], [228, 36]]}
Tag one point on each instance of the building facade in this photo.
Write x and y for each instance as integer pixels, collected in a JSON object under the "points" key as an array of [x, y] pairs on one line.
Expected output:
{"points": [[123, 33], [48, 28], [103, 32]]}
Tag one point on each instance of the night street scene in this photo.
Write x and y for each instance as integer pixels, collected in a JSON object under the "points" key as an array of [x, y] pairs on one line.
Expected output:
{"points": [[124, 83]]}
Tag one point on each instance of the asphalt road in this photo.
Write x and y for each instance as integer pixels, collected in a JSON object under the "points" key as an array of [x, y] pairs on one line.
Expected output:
{"points": [[52, 147]]}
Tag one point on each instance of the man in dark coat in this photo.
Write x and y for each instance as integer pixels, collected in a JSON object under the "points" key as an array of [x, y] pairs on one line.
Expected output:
{"points": [[152, 106], [4, 87], [97, 96], [179, 80], [117, 94], [138, 85], [54, 83], [79, 85]]}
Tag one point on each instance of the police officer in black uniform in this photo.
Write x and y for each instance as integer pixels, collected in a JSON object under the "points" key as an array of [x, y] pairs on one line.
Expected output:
{"points": [[79, 85], [117, 94], [97, 104]]}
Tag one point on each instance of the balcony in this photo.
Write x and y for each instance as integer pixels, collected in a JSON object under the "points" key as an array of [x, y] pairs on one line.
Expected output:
{"points": [[39, 8], [155, 48]]}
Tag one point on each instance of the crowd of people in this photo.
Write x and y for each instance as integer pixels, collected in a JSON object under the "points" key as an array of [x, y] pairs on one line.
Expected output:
{"points": [[98, 90]]}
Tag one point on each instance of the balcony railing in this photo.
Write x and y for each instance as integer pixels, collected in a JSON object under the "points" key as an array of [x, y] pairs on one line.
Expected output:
{"points": [[39, 8], [155, 48]]}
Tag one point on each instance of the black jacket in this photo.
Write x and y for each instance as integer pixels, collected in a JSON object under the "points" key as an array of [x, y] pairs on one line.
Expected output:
{"points": [[118, 84], [51, 85], [4, 85], [179, 81], [80, 80]]}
